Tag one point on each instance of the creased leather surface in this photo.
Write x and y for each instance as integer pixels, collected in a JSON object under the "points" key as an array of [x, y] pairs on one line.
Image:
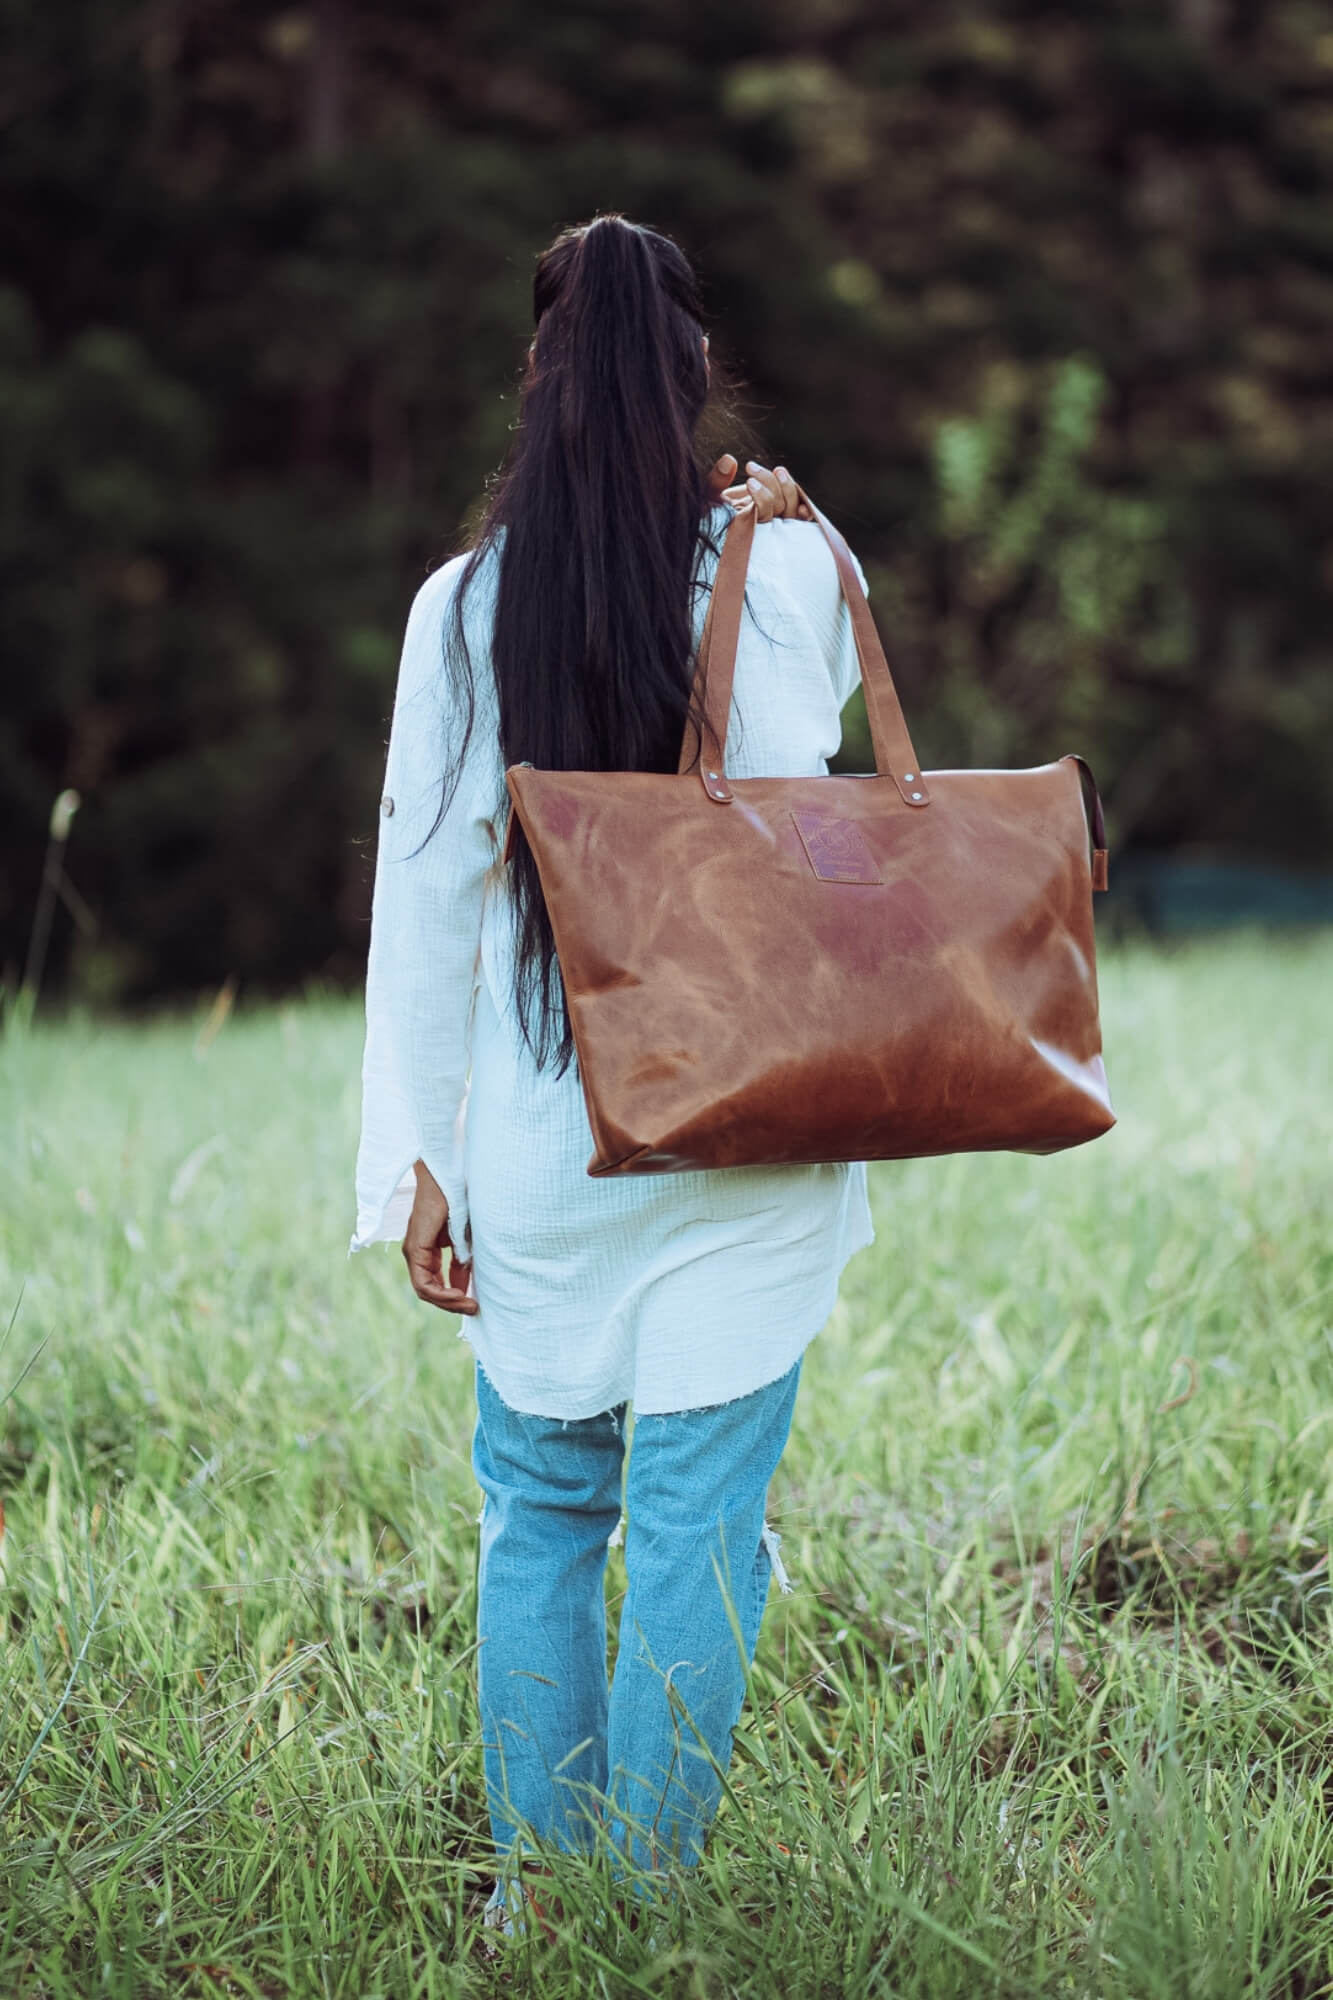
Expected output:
{"points": [[733, 1007]]}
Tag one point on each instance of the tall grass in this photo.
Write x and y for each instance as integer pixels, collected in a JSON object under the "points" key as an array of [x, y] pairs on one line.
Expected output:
{"points": [[1048, 1713]]}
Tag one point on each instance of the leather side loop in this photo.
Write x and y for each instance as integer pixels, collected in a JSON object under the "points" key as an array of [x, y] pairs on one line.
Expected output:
{"points": [[1092, 805]]}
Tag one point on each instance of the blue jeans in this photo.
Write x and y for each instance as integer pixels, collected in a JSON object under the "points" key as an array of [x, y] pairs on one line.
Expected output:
{"points": [[642, 1758]]}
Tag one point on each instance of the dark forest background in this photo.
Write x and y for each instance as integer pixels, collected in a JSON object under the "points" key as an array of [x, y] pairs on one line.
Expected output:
{"points": [[1038, 300]]}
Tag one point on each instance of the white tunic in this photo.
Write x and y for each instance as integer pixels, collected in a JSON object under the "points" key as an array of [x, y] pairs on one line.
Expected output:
{"points": [[668, 1290]]}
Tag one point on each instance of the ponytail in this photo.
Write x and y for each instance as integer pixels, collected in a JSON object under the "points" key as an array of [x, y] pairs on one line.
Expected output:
{"points": [[597, 522]]}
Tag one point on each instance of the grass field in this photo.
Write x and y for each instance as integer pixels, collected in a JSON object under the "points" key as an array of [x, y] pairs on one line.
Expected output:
{"points": [[1048, 1713]]}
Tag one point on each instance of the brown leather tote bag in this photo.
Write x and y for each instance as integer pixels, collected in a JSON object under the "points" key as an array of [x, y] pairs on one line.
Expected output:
{"points": [[768, 971]]}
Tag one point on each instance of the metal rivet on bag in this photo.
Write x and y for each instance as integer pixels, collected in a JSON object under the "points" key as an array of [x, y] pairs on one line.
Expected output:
{"points": [[908, 777], [712, 774], [386, 806], [916, 795]]}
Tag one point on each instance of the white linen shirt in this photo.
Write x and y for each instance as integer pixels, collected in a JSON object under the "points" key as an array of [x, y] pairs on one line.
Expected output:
{"points": [[672, 1291]]}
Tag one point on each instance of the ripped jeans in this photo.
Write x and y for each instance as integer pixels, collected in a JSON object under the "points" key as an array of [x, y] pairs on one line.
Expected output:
{"points": [[643, 1757]]}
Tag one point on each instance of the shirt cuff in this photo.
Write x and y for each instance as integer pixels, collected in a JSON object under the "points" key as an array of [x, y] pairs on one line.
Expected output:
{"points": [[383, 1206]]}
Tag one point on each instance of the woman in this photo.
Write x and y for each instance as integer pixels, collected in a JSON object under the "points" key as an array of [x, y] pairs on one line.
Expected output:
{"points": [[566, 638]]}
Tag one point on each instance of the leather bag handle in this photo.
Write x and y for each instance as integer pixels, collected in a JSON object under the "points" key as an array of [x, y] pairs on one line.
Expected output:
{"points": [[715, 672]]}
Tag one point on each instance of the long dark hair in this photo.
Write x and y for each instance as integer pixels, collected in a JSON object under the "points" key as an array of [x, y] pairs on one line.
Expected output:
{"points": [[597, 521]]}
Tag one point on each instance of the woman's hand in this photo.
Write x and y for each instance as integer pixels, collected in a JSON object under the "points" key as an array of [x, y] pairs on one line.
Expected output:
{"points": [[424, 1243], [773, 495]]}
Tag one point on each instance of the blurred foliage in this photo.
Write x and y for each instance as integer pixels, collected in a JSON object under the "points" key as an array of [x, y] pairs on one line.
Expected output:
{"points": [[1038, 300]]}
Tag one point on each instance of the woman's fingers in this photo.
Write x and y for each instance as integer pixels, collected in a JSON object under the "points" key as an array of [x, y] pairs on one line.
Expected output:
{"points": [[425, 1268], [425, 1241], [794, 507], [449, 1298], [722, 475], [763, 489], [775, 496]]}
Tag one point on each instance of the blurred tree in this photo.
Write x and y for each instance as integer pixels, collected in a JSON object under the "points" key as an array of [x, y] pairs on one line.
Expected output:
{"points": [[1038, 300]]}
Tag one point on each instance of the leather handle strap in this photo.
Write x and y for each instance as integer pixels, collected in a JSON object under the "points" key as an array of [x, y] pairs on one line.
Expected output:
{"points": [[716, 668], [894, 756], [710, 701]]}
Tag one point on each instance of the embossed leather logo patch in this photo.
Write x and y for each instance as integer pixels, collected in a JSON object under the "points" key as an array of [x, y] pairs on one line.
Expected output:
{"points": [[837, 848]]}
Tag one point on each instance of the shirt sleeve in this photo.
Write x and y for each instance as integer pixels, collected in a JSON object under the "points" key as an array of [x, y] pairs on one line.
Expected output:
{"points": [[425, 932]]}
